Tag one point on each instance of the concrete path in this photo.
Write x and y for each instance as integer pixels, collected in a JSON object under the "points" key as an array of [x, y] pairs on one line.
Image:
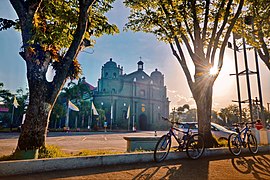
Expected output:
{"points": [[222, 167]]}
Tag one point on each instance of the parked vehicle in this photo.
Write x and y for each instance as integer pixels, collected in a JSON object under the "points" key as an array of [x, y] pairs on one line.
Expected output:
{"points": [[220, 132]]}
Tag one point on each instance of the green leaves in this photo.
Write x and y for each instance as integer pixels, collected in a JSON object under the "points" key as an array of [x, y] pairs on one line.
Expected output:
{"points": [[55, 23]]}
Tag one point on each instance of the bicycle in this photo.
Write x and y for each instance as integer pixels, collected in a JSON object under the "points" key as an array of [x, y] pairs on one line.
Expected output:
{"points": [[244, 138], [192, 143]]}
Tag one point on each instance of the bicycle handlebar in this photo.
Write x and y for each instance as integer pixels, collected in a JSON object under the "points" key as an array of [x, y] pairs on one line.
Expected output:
{"points": [[243, 123], [166, 119]]}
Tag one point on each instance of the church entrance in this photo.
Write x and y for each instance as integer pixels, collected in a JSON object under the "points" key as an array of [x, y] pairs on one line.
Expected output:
{"points": [[143, 122]]}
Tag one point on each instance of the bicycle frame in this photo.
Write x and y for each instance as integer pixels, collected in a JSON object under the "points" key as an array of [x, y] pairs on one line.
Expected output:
{"points": [[192, 143], [179, 141], [244, 131]]}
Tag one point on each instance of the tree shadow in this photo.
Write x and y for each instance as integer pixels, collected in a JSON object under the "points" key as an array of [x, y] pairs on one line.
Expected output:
{"points": [[256, 165]]}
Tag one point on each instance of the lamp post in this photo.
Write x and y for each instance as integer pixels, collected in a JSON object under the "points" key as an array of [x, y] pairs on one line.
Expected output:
{"points": [[173, 114]]}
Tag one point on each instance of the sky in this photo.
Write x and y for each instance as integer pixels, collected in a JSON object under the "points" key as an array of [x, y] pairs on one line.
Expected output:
{"points": [[125, 49]]}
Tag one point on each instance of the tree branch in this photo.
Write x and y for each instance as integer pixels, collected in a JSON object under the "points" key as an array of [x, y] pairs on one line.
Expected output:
{"points": [[198, 41], [183, 63], [220, 31], [205, 20], [227, 35], [209, 48], [74, 48]]}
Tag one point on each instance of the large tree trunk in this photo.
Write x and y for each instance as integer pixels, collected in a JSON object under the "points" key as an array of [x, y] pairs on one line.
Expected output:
{"points": [[43, 94], [42, 98], [34, 129], [202, 93]]}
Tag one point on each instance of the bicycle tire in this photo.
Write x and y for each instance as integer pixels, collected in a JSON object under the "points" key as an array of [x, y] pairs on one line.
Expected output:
{"points": [[252, 144], [195, 146], [234, 144], [162, 148]]}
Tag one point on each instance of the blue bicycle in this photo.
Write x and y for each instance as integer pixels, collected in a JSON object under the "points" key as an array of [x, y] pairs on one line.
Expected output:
{"points": [[193, 144], [242, 138]]}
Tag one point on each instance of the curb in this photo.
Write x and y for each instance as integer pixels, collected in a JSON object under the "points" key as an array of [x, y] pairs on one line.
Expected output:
{"points": [[8, 168]]}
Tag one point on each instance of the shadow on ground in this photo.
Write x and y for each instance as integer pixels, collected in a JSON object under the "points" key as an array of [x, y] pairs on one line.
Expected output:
{"points": [[226, 167]]}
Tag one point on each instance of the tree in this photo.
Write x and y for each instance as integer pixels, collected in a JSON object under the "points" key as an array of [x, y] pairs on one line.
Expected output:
{"points": [[5, 95], [53, 33], [204, 28], [230, 114], [256, 26]]}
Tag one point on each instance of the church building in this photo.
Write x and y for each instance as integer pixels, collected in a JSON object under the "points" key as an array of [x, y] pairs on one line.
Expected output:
{"points": [[134, 100]]}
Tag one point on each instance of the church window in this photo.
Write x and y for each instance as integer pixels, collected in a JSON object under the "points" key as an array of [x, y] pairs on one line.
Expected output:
{"points": [[142, 77], [104, 90], [114, 75], [113, 91], [142, 93], [106, 74]]}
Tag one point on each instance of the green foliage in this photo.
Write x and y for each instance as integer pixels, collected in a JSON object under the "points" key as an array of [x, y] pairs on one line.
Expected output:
{"points": [[5, 94], [170, 19], [53, 30], [96, 152], [51, 151], [254, 25]]}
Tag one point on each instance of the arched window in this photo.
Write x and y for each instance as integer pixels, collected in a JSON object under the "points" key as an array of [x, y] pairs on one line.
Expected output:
{"points": [[106, 74], [142, 93], [114, 75]]}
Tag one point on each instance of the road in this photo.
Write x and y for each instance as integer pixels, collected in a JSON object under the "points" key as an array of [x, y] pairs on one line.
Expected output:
{"points": [[73, 142], [229, 167]]}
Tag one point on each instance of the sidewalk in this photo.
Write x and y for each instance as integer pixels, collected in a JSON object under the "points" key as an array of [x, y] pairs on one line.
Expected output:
{"points": [[246, 167], [8, 168]]}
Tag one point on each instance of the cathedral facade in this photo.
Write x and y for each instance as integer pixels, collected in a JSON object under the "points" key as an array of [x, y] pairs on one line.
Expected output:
{"points": [[132, 101]]}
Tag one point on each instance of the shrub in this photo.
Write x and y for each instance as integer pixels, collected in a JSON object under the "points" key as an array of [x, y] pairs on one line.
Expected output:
{"points": [[51, 151]]}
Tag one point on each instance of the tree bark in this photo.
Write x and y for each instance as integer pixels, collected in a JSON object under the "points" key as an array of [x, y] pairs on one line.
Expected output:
{"points": [[202, 92], [42, 93]]}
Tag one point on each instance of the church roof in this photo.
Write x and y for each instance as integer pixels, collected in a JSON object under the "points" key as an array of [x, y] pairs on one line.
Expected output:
{"points": [[89, 86], [156, 73], [139, 75], [110, 64]]}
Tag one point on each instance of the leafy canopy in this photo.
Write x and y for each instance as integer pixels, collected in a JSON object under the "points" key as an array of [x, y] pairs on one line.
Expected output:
{"points": [[54, 26]]}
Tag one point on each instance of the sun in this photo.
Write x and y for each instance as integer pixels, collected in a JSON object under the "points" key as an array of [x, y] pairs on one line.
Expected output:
{"points": [[213, 70]]}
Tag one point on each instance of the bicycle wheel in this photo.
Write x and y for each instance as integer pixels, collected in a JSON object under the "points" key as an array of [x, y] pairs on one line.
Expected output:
{"points": [[234, 144], [252, 144], [195, 146], [162, 148]]}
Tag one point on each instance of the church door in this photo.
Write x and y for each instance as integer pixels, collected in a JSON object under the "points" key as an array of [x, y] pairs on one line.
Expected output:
{"points": [[143, 122]]}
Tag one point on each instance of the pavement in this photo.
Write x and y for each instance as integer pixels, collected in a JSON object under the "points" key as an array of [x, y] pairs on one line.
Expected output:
{"points": [[215, 164], [74, 142], [207, 168]]}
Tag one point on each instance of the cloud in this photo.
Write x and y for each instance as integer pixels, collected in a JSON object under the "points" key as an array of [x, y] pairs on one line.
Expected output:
{"points": [[179, 99]]}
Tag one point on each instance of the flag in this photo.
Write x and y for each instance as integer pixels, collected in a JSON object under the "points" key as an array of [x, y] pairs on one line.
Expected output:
{"points": [[94, 109], [15, 102], [72, 106], [128, 112]]}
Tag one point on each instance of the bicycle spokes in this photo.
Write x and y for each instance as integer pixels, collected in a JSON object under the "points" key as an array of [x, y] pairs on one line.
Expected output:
{"points": [[234, 144], [195, 146]]}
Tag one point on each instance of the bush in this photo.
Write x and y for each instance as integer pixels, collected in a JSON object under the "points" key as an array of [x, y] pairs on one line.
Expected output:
{"points": [[95, 152], [51, 151]]}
